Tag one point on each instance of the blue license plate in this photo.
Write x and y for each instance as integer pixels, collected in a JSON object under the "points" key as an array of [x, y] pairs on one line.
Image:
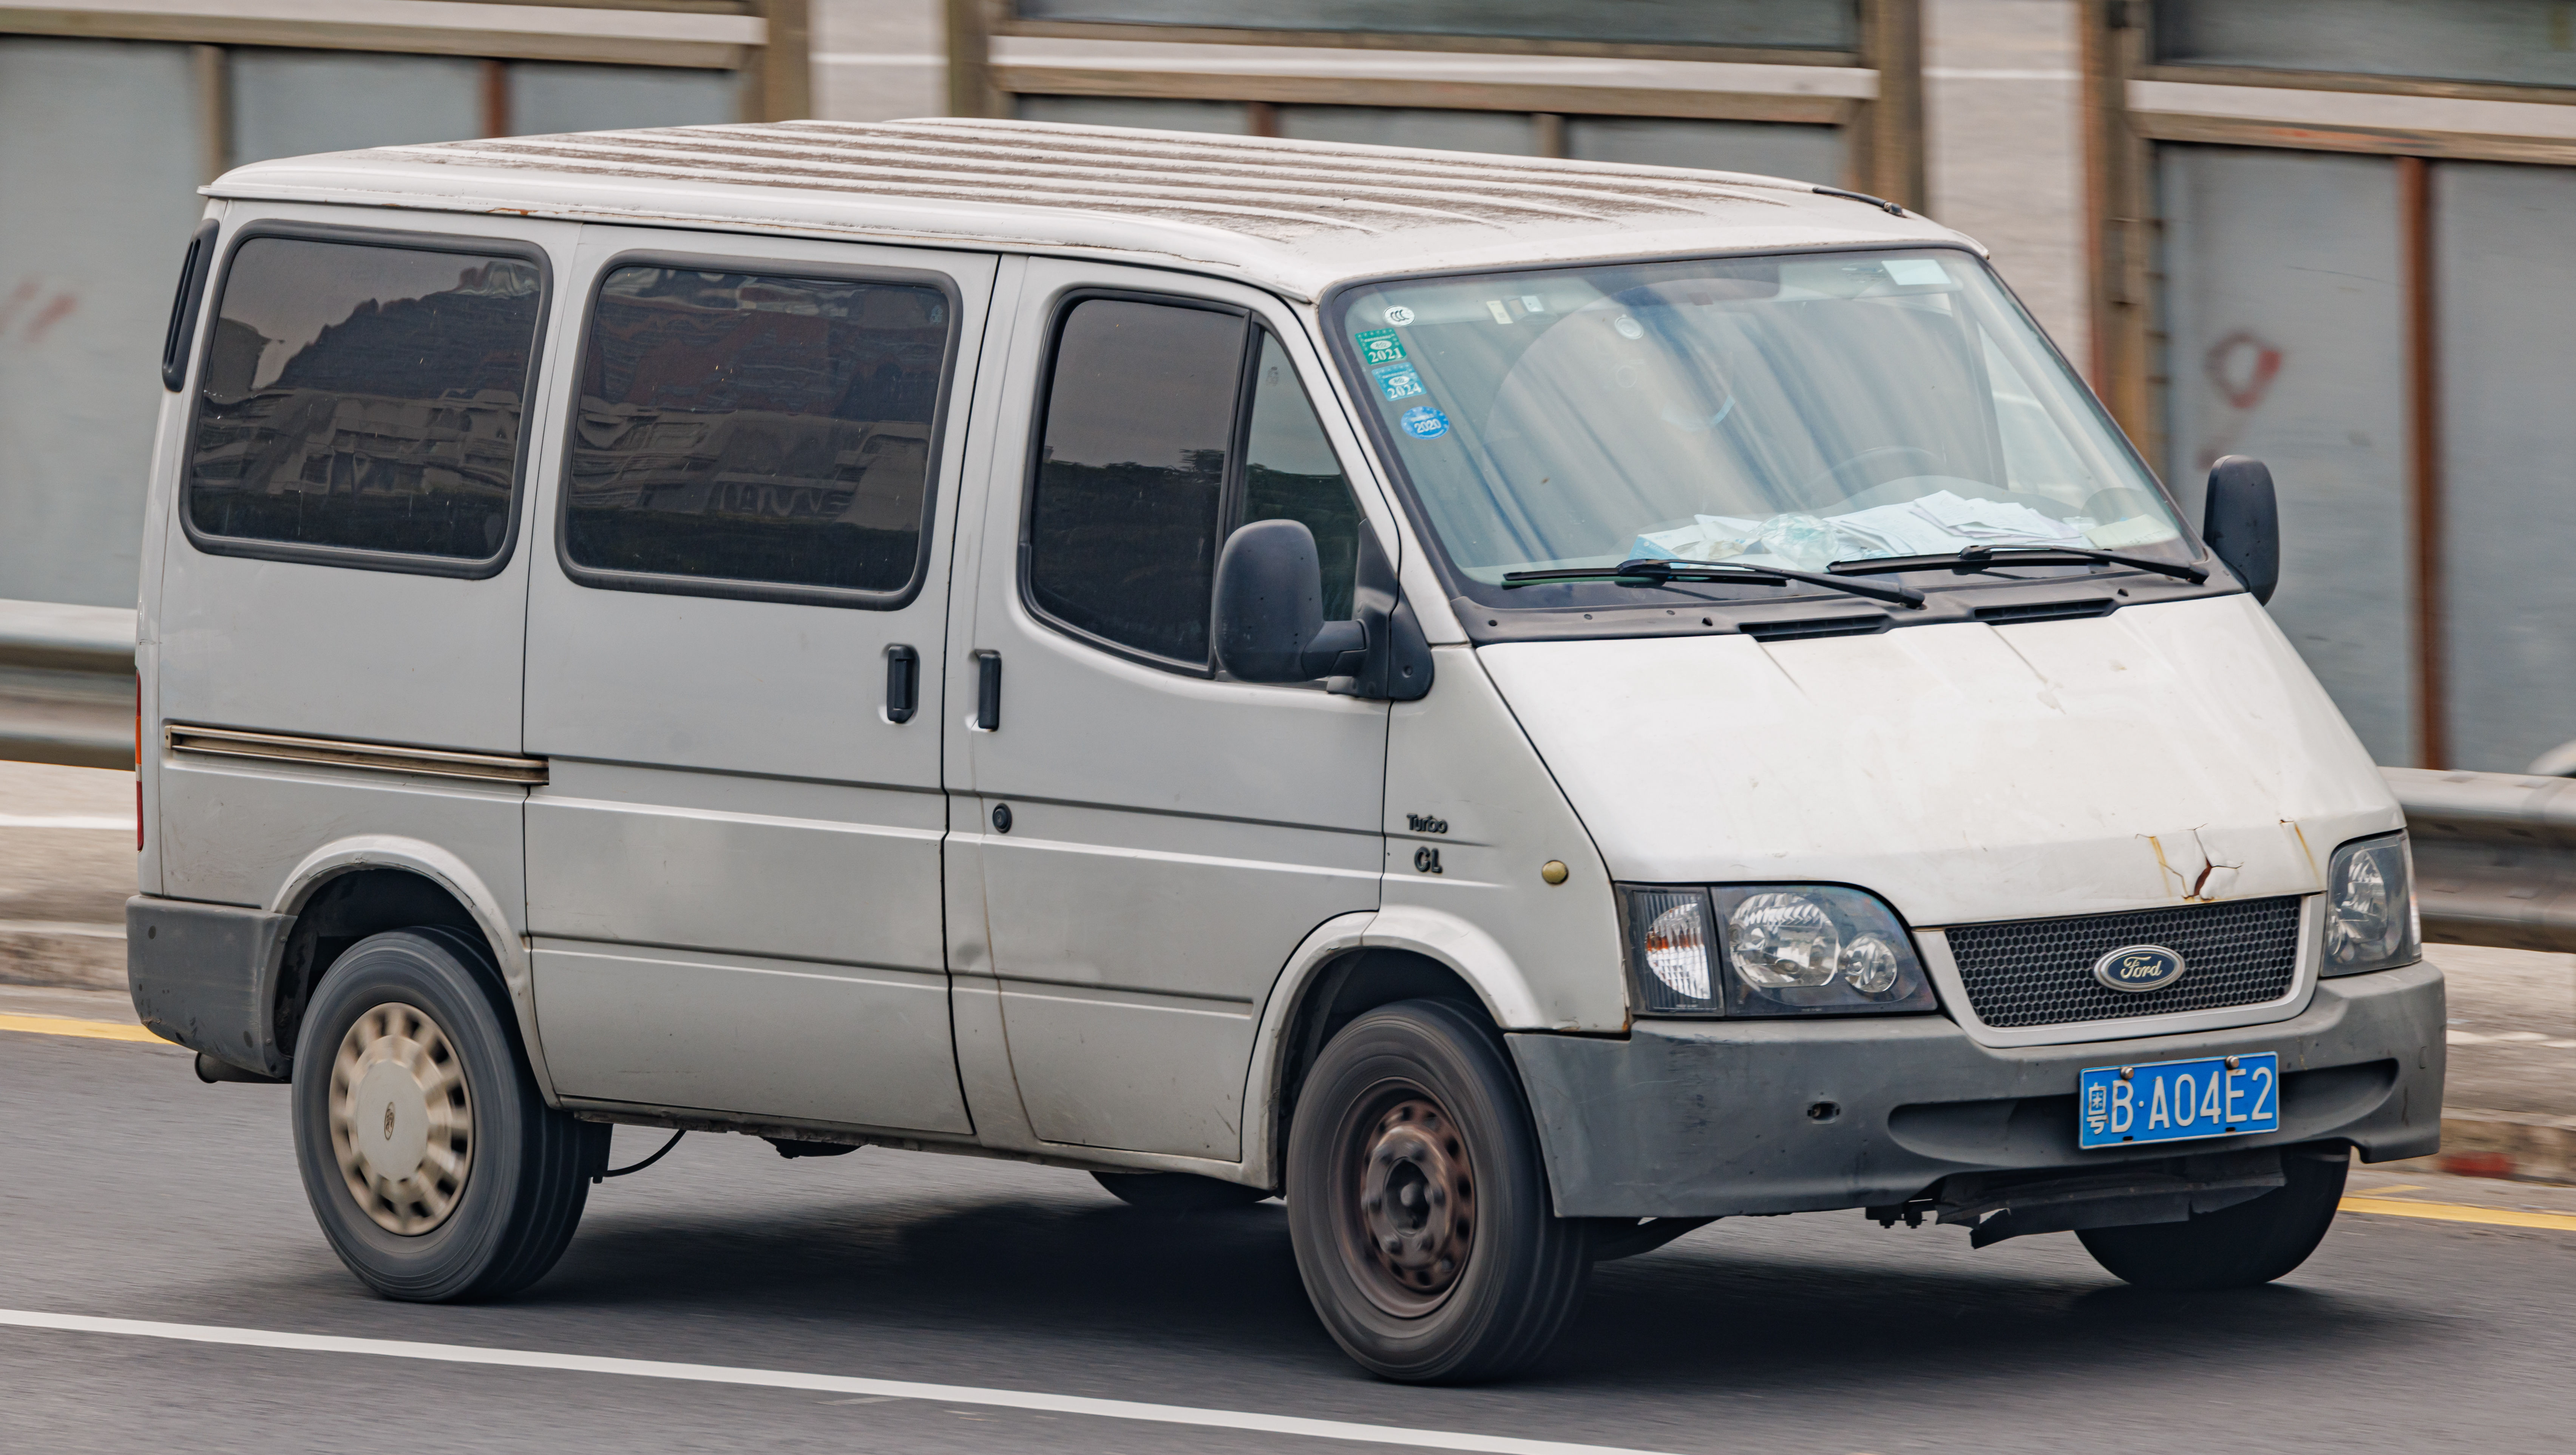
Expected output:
{"points": [[2176, 1101]]}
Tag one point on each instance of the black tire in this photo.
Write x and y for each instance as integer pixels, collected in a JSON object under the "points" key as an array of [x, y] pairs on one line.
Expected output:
{"points": [[2235, 1247], [1177, 1191], [524, 1169], [1415, 1105]]}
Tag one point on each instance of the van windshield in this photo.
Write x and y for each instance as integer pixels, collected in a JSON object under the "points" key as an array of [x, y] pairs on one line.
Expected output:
{"points": [[1791, 411]]}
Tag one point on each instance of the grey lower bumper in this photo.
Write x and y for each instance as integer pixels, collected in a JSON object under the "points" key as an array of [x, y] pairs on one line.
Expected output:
{"points": [[200, 975], [1714, 1118]]}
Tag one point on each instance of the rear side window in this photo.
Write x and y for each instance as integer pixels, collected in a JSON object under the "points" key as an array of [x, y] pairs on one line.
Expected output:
{"points": [[358, 397], [1167, 427], [744, 431]]}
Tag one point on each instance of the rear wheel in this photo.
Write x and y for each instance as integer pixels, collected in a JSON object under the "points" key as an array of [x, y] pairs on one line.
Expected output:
{"points": [[1177, 1191], [2234, 1247], [1418, 1202], [430, 1159]]}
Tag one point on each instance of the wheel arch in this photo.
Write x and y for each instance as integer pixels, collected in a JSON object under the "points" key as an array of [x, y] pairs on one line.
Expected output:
{"points": [[1349, 966], [359, 886]]}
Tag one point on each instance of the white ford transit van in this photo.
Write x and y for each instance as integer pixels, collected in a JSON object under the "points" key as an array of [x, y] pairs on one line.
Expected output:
{"points": [[1522, 706]]}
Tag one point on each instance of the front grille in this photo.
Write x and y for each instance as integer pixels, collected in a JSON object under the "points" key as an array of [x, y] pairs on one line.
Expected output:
{"points": [[2040, 972]]}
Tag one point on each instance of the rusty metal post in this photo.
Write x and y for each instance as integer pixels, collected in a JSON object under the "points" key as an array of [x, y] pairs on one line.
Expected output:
{"points": [[2424, 457], [212, 66], [970, 60], [2120, 231], [1889, 153], [783, 74]]}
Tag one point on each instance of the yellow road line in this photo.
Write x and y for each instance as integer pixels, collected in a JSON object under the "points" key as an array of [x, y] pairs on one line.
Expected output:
{"points": [[2458, 1212], [56, 1025]]}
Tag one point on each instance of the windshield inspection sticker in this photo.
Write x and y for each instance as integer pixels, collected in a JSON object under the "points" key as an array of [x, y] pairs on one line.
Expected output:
{"points": [[1380, 346], [1399, 316], [1424, 422], [1916, 272], [1398, 380]]}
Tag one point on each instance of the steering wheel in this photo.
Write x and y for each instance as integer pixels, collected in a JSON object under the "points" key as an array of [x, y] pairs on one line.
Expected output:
{"points": [[1881, 453]]}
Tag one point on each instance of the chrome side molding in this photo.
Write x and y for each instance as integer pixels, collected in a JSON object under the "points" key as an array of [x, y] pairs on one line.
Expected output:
{"points": [[341, 753]]}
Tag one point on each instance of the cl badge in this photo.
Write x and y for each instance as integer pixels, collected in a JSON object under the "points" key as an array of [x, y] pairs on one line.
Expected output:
{"points": [[2139, 968]]}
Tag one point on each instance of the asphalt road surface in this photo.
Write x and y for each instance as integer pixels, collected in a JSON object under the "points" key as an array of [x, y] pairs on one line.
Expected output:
{"points": [[130, 1191]]}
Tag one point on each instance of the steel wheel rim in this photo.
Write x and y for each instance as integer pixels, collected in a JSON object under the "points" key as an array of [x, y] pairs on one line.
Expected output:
{"points": [[402, 1124], [1408, 1218]]}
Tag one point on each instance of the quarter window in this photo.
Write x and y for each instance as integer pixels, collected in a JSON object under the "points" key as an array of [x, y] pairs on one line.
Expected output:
{"points": [[365, 398], [1151, 453], [756, 428]]}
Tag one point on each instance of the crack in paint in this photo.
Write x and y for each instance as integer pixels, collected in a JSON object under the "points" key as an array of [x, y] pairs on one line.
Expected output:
{"points": [[2208, 865]]}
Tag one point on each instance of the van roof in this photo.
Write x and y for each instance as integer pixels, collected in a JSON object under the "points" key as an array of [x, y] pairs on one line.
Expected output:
{"points": [[1295, 216]]}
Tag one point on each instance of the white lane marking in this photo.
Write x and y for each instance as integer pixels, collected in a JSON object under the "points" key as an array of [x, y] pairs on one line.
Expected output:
{"points": [[64, 821], [1111, 1409]]}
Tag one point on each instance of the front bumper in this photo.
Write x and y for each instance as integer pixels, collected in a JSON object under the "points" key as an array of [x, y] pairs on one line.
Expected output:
{"points": [[1719, 1118]]}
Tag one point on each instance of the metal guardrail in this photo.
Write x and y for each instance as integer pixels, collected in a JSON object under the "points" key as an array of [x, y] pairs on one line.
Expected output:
{"points": [[2495, 856], [67, 684]]}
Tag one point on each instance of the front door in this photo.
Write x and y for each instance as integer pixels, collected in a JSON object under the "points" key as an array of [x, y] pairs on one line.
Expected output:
{"points": [[1155, 838], [734, 870]]}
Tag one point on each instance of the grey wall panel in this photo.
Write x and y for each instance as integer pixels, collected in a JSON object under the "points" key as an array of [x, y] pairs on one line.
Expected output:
{"points": [[1508, 132], [546, 97], [2285, 342], [2525, 41], [1808, 153], [98, 163], [2507, 348], [1823, 24], [292, 103]]}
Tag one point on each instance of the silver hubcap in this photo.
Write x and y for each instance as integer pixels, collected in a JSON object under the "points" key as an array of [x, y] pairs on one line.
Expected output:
{"points": [[402, 1128]]}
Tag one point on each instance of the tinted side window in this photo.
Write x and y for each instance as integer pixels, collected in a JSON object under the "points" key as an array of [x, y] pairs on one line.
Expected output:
{"points": [[364, 397], [754, 428], [1289, 473], [1131, 475]]}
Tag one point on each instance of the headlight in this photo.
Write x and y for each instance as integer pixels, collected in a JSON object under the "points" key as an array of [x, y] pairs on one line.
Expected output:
{"points": [[2370, 907], [1771, 949]]}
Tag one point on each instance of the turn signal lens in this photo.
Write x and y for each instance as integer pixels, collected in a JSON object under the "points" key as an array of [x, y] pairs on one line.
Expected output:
{"points": [[1677, 950], [1669, 950]]}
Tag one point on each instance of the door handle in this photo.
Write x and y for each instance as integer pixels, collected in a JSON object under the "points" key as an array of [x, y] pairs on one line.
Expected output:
{"points": [[903, 684], [988, 691]]}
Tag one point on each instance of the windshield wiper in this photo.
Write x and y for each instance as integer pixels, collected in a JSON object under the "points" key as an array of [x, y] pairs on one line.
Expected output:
{"points": [[1655, 571], [1986, 558]]}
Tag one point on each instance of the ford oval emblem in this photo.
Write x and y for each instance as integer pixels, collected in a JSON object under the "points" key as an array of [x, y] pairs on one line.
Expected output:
{"points": [[2139, 968]]}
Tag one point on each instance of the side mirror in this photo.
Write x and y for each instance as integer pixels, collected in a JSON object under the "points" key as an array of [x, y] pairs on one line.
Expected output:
{"points": [[2242, 523], [1270, 623]]}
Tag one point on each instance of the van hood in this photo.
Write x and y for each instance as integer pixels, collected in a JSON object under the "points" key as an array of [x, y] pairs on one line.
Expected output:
{"points": [[2160, 755]]}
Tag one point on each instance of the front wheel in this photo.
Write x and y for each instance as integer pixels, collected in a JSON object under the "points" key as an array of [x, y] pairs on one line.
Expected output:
{"points": [[432, 1162], [2234, 1247], [1418, 1202]]}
